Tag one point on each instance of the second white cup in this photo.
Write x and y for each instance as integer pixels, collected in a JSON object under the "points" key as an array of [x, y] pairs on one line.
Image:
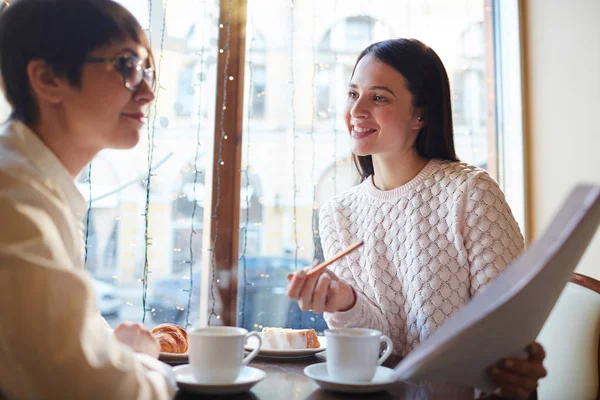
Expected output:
{"points": [[353, 353], [216, 353]]}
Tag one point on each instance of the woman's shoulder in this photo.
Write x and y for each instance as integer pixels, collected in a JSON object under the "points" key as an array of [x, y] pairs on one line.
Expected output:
{"points": [[15, 166], [456, 174], [347, 198], [16, 171], [472, 185]]}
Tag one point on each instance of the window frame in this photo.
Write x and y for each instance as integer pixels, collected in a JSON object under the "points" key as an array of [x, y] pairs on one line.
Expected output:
{"points": [[222, 215], [509, 105]]}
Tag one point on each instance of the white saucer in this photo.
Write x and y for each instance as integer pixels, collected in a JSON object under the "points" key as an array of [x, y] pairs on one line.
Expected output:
{"points": [[248, 378], [382, 380]]}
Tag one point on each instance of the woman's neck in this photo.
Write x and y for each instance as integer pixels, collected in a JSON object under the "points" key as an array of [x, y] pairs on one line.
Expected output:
{"points": [[66, 146], [393, 171]]}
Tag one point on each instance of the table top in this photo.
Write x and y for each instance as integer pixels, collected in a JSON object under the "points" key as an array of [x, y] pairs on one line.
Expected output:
{"points": [[285, 380]]}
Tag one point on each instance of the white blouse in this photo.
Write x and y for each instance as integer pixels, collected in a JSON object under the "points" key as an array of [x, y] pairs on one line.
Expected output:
{"points": [[53, 341]]}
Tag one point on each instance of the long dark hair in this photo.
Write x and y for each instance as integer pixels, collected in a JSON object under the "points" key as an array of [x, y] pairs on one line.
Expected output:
{"points": [[427, 81]]}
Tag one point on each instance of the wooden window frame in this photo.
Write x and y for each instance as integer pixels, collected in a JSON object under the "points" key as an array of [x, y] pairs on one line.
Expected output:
{"points": [[227, 161]]}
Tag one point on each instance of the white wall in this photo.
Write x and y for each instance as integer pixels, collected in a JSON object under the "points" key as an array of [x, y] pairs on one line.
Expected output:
{"points": [[562, 86]]}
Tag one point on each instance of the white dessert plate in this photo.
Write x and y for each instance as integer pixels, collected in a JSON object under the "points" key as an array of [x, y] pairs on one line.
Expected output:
{"points": [[383, 379], [173, 358], [248, 378], [285, 354]]}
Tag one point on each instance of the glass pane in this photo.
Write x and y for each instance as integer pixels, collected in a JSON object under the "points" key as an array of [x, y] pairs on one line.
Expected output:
{"points": [[4, 109], [510, 107], [178, 141], [296, 150]]}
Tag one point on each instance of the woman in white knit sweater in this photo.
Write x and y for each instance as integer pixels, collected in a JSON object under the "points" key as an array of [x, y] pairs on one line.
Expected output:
{"points": [[436, 230]]}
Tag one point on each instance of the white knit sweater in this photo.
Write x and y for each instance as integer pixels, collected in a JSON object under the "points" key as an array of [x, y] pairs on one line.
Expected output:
{"points": [[429, 246]]}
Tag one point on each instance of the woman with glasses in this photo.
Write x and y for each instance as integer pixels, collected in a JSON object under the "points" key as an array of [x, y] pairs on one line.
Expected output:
{"points": [[79, 76]]}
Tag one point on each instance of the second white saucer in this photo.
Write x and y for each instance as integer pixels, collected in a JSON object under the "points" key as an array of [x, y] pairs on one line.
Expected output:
{"points": [[248, 378], [382, 380]]}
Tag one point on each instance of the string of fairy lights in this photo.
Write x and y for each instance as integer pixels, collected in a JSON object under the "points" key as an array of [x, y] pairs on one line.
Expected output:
{"points": [[334, 106], [316, 241], [226, 51], [89, 213], [196, 172], [292, 80], [246, 168], [151, 131]]}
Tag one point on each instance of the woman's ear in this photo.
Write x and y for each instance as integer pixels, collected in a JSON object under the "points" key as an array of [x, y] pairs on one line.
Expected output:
{"points": [[418, 119], [46, 86]]}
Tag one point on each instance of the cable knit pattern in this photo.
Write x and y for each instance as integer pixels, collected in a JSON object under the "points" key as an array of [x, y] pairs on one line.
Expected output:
{"points": [[430, 246]]}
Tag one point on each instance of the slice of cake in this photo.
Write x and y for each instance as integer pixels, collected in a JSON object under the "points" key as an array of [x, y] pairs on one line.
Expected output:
{"points": [[289, 339]]}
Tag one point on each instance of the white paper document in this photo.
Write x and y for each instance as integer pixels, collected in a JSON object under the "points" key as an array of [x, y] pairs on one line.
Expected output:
{"points": [[509, 314]]}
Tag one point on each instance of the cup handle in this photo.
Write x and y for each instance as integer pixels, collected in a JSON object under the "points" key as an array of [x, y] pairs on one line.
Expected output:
{"points": [[388, 349], [254, 352]]}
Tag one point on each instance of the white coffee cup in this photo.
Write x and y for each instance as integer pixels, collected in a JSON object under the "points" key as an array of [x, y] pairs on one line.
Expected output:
{"points": [[216, 353], [353, 353]]}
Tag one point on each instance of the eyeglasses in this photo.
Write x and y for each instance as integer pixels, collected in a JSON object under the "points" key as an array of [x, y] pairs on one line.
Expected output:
{"points": [[131, 68]]}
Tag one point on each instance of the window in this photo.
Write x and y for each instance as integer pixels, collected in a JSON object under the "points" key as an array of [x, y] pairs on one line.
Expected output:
{"points": [[469, 97], [323, 77], [147, 237], [185, 92], [4, 109], [256, 75], [204, 219], [188, 212], [258, 87], [102, 221], [304, 159], [335, 58]]}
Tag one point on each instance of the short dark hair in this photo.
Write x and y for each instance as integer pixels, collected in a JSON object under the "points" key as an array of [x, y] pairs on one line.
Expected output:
{"points": [[62, 33], [427, 82]]}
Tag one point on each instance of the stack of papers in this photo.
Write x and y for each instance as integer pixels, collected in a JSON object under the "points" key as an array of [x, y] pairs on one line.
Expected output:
{"points": [[508, 315]]}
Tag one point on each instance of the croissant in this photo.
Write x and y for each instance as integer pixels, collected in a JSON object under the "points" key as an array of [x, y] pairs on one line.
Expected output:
{"points": [[172, 338]]}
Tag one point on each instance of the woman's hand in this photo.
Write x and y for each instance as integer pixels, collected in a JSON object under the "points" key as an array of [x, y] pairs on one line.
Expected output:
{"points": [[323, 292], [517, 378], [138, 337]]}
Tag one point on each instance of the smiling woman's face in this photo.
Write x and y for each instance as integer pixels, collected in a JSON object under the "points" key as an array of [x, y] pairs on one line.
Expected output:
{"points": [[102, 112], [379, 113]]}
